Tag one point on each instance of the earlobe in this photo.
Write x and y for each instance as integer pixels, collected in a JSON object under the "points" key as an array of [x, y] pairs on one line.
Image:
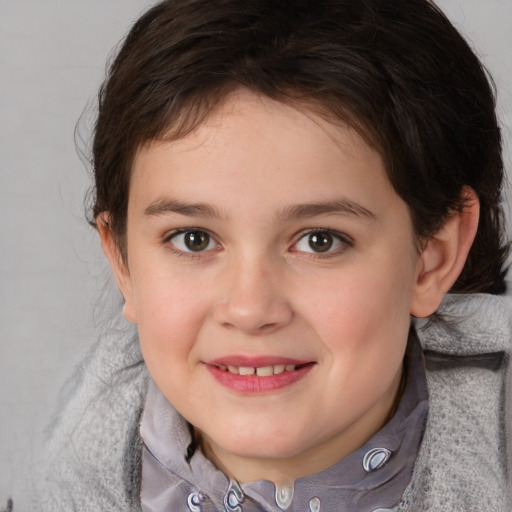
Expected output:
{"points": [[118, 265], [444, 255]]}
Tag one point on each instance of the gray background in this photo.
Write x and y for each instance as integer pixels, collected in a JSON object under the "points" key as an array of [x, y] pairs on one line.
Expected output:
{"points": [[52, 275]]}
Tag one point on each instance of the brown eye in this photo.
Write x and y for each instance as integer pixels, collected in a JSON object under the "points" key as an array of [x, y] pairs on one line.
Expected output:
{"points": [[196, 240], [323, 242], [320, 241]]}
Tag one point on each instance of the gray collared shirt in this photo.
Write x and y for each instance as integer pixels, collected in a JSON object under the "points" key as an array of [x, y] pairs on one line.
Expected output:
{"points": [[176, 476]]}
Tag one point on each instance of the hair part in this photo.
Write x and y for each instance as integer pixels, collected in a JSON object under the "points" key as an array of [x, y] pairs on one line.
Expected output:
{"points": [[397, 72]]}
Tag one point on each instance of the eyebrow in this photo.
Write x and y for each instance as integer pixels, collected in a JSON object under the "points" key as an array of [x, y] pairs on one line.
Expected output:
{"points": [[297, 211], [336, 207], [164, 206]]}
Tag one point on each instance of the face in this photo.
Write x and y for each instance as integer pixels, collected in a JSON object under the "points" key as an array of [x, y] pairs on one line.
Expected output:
{"points": [[271, 269]]}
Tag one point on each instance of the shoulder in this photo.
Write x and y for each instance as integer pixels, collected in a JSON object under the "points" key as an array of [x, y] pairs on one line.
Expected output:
{"points": [[472, 325], [462, 463], [91, 460]]}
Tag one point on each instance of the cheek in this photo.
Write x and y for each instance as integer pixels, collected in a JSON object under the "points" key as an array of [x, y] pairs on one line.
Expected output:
{"points": [[363, 315], [170, 313], [364, 329]]}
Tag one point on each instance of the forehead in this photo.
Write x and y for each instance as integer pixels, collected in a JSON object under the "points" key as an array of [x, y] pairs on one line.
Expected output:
{"points": [[255, 146], [202, 117]]}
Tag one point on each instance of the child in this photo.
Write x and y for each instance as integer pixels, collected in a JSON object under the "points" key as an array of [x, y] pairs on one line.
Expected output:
{"points": [[279, 188]]}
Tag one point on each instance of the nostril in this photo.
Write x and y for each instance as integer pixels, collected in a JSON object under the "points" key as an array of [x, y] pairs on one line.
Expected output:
{"points": [[268, 327], [258, 329], [252, 315]]}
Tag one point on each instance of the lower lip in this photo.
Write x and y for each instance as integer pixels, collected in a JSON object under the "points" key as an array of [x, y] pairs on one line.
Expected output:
{"points": [[252, 384]]}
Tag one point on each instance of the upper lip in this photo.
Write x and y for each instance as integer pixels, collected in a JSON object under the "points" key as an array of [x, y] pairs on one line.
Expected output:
{"points": [[255, 361]]}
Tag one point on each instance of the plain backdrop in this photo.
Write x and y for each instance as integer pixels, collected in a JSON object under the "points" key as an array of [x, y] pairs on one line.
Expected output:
{"points": [[54, 284]]}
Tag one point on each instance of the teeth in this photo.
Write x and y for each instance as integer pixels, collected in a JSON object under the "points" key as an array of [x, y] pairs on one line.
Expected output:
{"points": [[233, 369], [264, 371], [278, 368], [261, 371]]}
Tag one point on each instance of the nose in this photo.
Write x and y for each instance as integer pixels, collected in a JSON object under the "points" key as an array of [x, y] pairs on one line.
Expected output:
{"points": [[253, 298]]}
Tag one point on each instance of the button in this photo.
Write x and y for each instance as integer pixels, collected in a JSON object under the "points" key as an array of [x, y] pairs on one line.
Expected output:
{"points": [[314, 505], [375, 459], [194, 501], [284, 496], [232, 500], [234, 496]]}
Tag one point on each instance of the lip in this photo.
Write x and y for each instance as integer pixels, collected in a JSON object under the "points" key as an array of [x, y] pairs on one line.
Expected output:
{"points": [[254, 384]]}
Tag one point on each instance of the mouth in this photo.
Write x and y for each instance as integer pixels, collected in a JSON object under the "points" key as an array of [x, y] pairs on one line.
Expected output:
{"points": [[260, 371], [253, 377]]}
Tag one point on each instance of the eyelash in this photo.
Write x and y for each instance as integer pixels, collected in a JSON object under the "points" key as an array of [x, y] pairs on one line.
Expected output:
{"points": [[168, 240], [342, 239]]}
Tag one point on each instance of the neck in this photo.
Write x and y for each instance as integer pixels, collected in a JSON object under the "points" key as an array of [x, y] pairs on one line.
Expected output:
{"points": [[284, 471]]}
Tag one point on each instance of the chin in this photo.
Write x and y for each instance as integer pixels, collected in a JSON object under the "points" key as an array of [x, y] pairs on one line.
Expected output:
{"points": [[262, 446]]}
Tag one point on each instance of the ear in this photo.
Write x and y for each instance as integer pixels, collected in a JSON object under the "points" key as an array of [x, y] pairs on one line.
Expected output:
{"points": [[118, 264], [444, 255]]}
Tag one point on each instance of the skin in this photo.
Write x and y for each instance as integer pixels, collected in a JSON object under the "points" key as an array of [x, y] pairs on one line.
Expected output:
{"points": [[248, 178]]}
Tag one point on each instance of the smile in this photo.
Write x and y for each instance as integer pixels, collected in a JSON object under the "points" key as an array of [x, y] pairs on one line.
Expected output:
{"points": [[257, 378], [260, 371]]}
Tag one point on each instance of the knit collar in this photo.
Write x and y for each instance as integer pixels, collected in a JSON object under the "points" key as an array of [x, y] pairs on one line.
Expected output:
{"points": [[370, 478]]}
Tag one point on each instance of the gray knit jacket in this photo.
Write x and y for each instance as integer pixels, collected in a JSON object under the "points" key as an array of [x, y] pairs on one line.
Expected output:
{"points": [[92, 460]]}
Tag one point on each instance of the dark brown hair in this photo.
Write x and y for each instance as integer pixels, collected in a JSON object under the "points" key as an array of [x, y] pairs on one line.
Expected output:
{"points": [[397, 71]]}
